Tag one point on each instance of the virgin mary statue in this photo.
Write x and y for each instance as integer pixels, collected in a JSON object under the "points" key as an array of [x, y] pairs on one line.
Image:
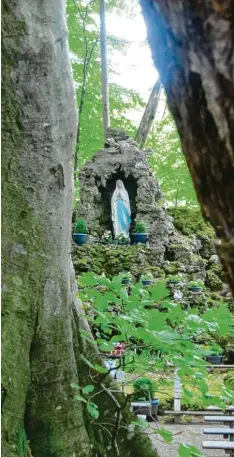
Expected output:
{"points": [[120, 209]]}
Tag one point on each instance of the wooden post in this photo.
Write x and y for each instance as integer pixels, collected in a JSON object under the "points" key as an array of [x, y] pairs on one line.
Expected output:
{"points": [[105, 89]]}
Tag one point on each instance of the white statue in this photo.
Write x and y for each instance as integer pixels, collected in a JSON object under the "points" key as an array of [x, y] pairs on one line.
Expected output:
{"points": [[120, 210]]}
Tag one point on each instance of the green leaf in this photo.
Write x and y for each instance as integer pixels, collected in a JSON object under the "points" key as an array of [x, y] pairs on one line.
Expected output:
{"points": [[79, 398], [159, 291], [100, 368], [88, 389], [75, 386], [93, 410], [86, 361], [165, 434], [188, 451]]}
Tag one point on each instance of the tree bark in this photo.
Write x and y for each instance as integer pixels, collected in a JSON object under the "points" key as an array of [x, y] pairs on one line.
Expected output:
{"points": [[149, 115], [41, 320], [105, 90], [192, 46]]}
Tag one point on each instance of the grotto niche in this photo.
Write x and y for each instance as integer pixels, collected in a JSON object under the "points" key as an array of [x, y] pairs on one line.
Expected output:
{"points": [[122, 159]]}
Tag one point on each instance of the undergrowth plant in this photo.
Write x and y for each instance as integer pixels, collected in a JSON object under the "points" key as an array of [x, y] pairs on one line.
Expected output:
{"points": [[149, 321]]}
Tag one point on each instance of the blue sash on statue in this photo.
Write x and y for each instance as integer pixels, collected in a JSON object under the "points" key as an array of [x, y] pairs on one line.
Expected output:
{"points": [[123, 215]]}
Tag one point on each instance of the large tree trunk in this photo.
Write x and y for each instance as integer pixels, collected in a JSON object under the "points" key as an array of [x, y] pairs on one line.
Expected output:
{"points": [[38, 140], [149, 115], [192, 46], [40, 324]]}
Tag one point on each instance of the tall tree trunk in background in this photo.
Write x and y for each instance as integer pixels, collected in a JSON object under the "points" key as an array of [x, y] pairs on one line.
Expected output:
{"points": [[192, 44], [41, 338], [105, 90], [149, 115]]}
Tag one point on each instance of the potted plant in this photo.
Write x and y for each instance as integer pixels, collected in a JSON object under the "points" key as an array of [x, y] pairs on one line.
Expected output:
{"points": [[143, 398], [147, 279], [140, 234], [214, 355], [126, 278], [195, 286], [173, 280], [80, 236], [122, 239]]}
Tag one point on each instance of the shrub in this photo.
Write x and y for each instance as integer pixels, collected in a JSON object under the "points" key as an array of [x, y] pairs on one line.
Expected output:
{"points": [[140, 227], [126, 275], [143, 389], [80, 226], [147, 277], [197, 283], [174, 278]]}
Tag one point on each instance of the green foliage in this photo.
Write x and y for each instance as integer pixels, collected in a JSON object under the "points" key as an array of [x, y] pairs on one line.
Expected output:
{"points": [[126, 275], [197, 283], [80, 226], [213, 281], [167, 333], [85, 50], [188, 451], [189, 221], [229, 381], [22, 445], [140, 227], [93, 410], [169, 164], [144, 389], [174, 278], [214, 349], [121, 237], [147, 276]]}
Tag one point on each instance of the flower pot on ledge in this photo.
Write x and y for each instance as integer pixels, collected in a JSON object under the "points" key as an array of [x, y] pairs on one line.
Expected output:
{"points": [[80, 238], [139, 238], [146, 408], [214, 359]]}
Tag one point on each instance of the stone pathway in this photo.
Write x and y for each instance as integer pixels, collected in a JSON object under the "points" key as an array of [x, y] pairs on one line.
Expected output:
{"points": [[191, 434]]}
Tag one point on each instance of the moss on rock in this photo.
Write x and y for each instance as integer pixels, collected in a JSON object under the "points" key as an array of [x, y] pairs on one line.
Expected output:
{"points": [[190, 221], [113, 259], [213, 281]]}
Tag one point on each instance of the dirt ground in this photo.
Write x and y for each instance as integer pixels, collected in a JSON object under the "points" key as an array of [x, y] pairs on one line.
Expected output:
{"points": [[191, 434]]}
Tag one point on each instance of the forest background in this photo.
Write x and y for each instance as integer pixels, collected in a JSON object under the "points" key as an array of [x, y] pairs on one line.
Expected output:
{"points": [[131, 78]]}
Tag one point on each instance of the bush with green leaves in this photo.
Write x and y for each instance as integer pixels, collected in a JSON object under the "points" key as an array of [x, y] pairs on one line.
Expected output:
{"points": [[140, 227], [197, 283], [147, 277], [126, 275], [167, 332], [80, 226], [174, 278], [143, 389]]}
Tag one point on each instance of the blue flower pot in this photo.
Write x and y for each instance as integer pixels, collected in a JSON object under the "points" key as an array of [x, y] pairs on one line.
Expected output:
{"points": [[80, 238], [139, 238], [214, 359], [125, 281], [147, 282], [195, 289]]}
